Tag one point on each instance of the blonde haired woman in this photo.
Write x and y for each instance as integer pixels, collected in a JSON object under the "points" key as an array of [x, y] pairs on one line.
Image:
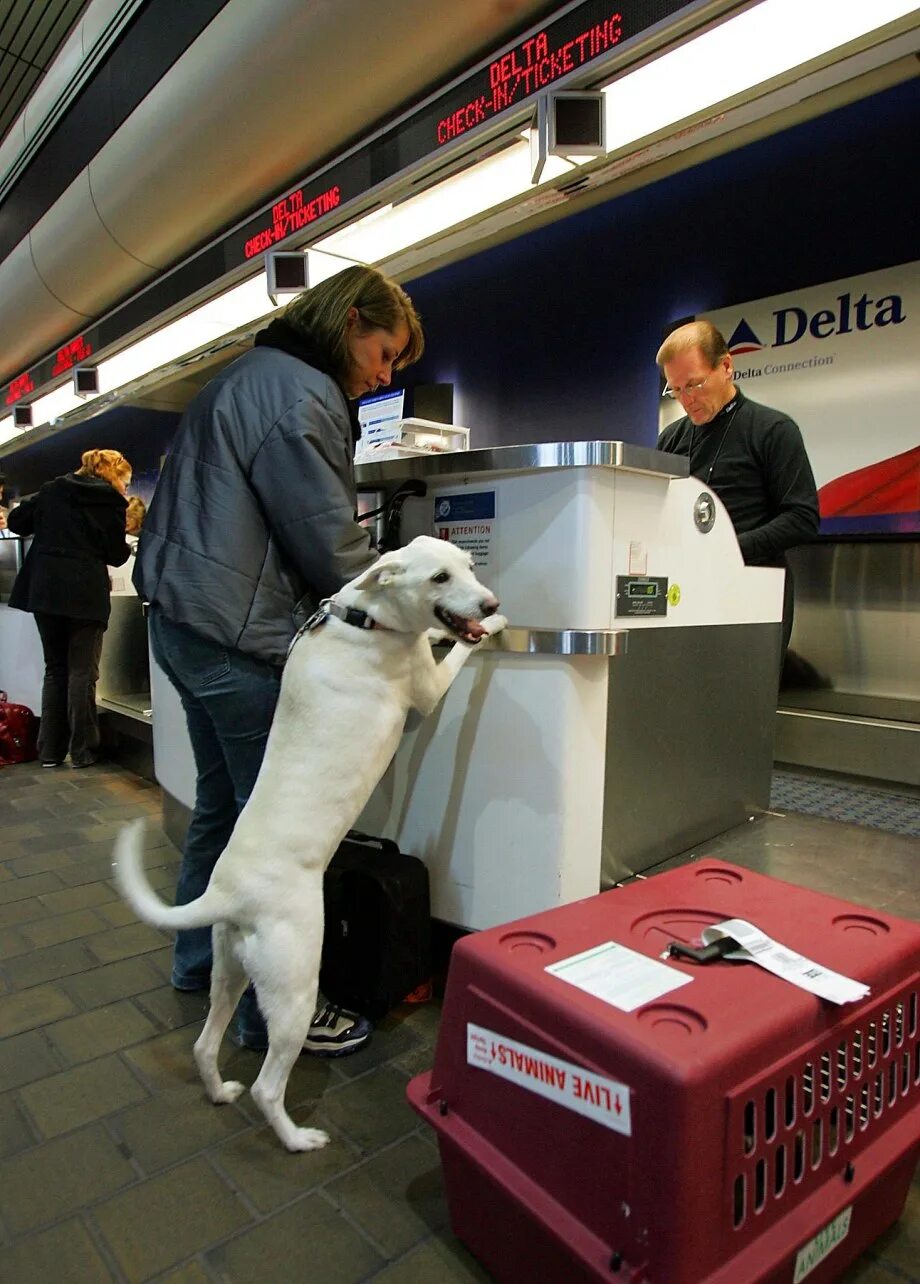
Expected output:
{"points": [[78, 526], [251, 524]]}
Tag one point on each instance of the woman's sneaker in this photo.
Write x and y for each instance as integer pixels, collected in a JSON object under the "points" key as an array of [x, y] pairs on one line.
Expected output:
{"points": [[336, 1032]]}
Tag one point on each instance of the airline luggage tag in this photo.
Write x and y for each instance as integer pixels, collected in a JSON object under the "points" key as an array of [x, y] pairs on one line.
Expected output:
{"points": [[757, 947]]}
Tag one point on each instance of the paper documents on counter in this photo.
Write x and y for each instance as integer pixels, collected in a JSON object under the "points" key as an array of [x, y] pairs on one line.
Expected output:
{"points": [[757, 947]]}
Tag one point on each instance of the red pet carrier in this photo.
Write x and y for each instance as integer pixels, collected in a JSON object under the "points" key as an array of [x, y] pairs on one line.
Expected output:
{"points": [[732, 1130]]}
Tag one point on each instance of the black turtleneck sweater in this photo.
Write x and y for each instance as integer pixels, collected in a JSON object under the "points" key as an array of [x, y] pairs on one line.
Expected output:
{"points": [[754, 459]]}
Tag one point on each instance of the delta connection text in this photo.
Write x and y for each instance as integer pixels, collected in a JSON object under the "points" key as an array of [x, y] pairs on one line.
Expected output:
{"points": [[527, 68], [794, 323]]}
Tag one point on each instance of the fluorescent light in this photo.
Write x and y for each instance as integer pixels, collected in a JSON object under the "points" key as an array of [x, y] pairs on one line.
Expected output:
{"points": [[387, 231], [56, 404], [211, 321], [769, 40], [229, 311], [8, 430]]}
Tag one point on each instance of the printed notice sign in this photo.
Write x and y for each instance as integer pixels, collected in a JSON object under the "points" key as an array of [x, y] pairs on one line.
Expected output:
{"points": [[619, 975], [592, 1095], [821, 1246], [467, 519]]}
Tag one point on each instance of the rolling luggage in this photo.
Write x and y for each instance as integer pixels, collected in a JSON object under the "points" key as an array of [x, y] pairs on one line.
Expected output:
{"points": [[377, 944]]}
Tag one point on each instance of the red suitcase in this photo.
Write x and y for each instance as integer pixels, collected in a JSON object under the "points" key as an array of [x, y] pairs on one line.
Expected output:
{"points": [[732, 1131]]}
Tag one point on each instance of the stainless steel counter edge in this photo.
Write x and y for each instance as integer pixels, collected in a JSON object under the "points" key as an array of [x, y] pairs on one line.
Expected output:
{"points": [[515, 459], [521, 640]]}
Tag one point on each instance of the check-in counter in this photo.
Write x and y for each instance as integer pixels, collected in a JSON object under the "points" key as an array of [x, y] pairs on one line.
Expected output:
{"points": [[627, 711], [624, 715], [124, 677]]}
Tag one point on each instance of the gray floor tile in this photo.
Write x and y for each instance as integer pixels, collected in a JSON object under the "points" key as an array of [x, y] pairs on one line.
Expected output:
{"points": [[15, 1134], [308, 1241], [17, 889], [63, 927], [94, 1034], [437, 1261], [372, 1111], [397, 1197], [25, 1058], [175, 1125], [270, 1176], [124, 942], [166, 1219], [173, 1009], [53, 1181], [65, 1254], [33, 1007], [76, 1097], [48, 964], [113, 981]]}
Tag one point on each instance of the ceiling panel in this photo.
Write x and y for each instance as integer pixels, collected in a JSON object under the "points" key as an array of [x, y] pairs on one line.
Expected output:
{"points": [[31, 32]]}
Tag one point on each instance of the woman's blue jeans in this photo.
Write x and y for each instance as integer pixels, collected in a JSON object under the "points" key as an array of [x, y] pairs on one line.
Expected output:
{"points": [[229, 700]]}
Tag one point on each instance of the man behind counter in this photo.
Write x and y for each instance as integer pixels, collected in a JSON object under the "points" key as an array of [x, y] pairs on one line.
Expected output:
{"points": [[751, 456]]}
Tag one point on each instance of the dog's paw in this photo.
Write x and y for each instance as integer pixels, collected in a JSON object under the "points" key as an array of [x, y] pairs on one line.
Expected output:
{"points": [[307, 1139], [494, 623], [228, 1091]]}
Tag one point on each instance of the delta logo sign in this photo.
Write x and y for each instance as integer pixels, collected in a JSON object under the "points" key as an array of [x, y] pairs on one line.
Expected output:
{"points": [[793, 323]]}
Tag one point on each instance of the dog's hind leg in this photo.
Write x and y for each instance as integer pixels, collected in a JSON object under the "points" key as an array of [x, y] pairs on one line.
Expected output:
{"points": [[228, 981], [285, 975]]}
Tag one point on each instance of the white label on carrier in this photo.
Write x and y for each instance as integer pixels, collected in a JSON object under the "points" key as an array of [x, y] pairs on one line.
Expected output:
{"points": [[589, 1094], [822, 1245], [757, 947], [619, 976]]}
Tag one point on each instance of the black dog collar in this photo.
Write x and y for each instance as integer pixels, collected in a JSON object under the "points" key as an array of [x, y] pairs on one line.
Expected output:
{"points": [[349, 614]]}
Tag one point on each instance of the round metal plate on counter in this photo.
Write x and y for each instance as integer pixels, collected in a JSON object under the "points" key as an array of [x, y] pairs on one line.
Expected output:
{"points": [[704, 512]]}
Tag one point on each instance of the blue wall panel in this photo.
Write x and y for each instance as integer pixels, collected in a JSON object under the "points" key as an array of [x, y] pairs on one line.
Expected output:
{"points": [[553, 336]]}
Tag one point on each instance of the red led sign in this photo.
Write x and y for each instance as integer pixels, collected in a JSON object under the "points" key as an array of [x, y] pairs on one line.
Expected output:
{"points": [[71, 354], [290, 215], [20, 388], [529, 67]]}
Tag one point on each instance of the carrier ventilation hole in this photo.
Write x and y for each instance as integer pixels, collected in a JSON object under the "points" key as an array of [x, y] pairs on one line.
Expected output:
{"points": [[779, 1172], [825, 1076], [841, 1065], [798, 1156], [817, 1137], [849, 1118], [760, 1185], [833, 1130], [886, 1047]]}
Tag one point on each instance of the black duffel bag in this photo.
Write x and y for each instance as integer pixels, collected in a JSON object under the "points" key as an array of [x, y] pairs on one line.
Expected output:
{"points": [[377, 943]]}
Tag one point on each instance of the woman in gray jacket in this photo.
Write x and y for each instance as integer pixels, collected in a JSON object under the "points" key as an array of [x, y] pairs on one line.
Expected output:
{"points": [[252, 524]]}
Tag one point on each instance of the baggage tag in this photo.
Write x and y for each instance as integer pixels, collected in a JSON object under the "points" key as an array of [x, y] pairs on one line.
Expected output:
{"points": [[757, 947]]}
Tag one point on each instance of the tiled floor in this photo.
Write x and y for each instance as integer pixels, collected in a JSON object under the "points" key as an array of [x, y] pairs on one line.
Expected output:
{"points": [[114, 1167]]}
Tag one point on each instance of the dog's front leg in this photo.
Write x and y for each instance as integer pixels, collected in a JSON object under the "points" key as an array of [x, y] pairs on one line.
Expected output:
{"points": [[430, 681]]}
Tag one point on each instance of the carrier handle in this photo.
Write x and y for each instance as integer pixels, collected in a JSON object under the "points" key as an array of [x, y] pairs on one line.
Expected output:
{"points": [[704, 953]]}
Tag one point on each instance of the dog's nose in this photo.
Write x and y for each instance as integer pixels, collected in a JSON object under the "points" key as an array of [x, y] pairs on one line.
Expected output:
{"points": [[489, 605]]}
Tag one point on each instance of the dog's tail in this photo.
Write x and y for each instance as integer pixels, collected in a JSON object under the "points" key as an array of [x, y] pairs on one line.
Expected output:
{"points": [[131, 881]]}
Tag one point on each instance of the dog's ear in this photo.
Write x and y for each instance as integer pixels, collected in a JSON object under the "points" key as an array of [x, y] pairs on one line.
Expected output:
{"points": [[380, 575]]}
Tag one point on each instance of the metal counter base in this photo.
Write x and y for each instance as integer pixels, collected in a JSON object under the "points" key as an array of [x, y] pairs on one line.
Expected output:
{"points": [[879, 748], [544, 778]]}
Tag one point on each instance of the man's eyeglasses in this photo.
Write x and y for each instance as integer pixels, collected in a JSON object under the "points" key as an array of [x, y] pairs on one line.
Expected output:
{"points": [[688, 389]]}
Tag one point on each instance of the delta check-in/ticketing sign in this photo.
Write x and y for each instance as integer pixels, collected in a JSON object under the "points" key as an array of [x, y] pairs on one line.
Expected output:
{"points": [[568, 43]]}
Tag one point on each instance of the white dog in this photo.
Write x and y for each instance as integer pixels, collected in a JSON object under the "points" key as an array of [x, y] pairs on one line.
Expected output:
{"points": [[349, 682]]}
